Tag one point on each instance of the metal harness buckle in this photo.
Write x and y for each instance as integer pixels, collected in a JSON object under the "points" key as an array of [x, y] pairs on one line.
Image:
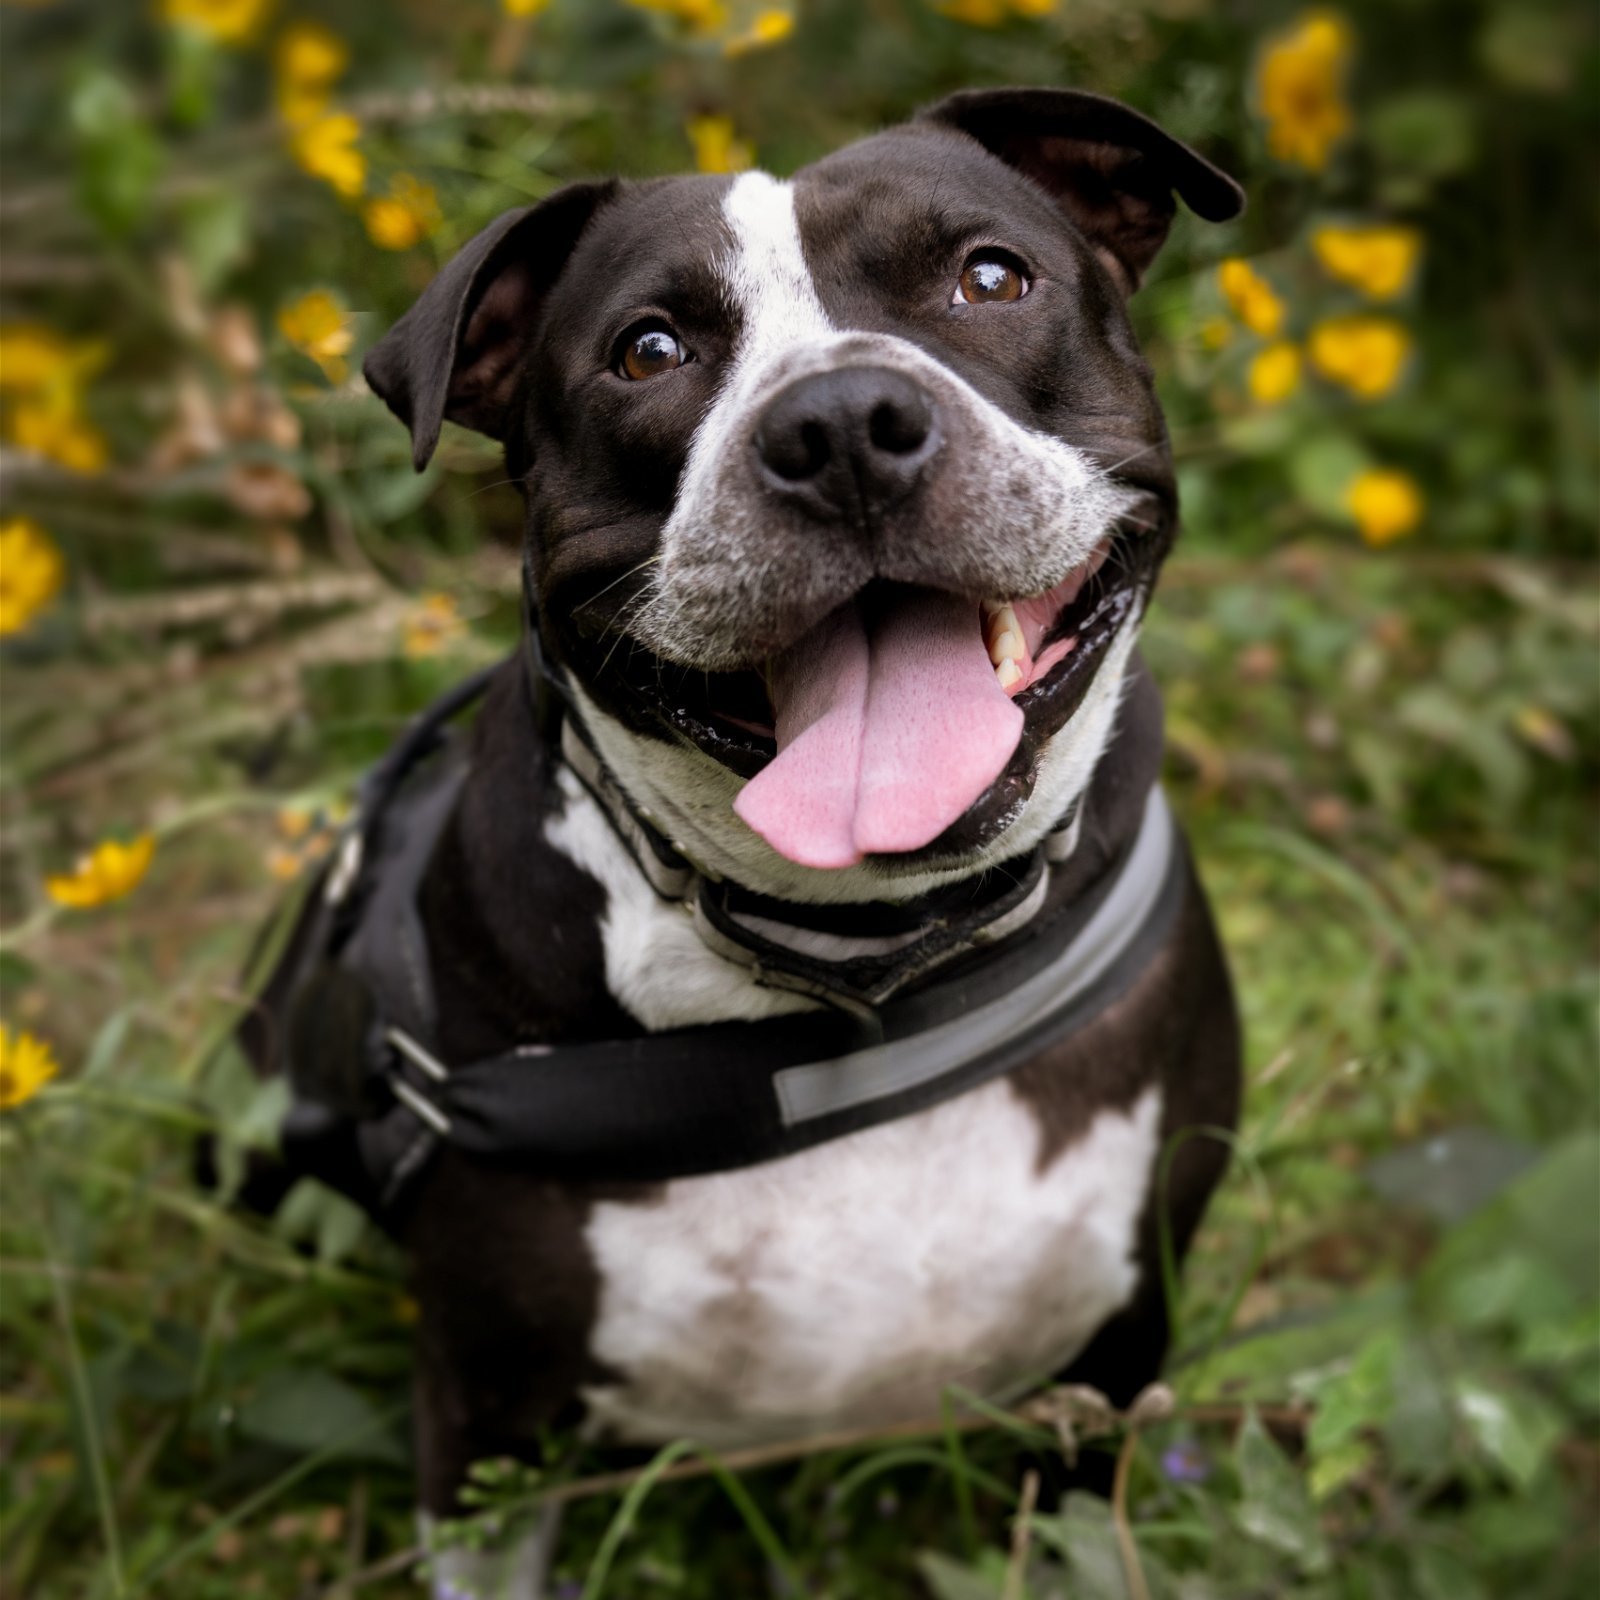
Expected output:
{"points": [[413, 1099]]}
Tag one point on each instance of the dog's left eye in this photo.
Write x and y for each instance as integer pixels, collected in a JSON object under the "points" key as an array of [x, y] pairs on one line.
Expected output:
{"points": [[990, 275], [651, 352]]}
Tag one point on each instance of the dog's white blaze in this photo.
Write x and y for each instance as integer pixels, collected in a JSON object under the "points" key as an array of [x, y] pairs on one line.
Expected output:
{"points": [[849, 1284], [657, 967], [766, 271]]}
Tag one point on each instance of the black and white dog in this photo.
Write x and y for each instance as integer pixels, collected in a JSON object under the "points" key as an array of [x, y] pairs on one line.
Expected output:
{"points": [[845, 495]]}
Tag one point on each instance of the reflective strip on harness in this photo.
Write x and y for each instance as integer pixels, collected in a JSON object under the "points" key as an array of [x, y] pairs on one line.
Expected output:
{"points": [[825, 1087]]}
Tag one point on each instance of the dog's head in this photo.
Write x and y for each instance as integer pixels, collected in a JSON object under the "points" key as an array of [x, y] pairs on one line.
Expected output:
{"points": [[844, 494]]}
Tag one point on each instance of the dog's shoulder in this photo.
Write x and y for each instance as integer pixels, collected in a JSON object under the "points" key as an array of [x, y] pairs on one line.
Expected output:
{"points": [[541, 926]]}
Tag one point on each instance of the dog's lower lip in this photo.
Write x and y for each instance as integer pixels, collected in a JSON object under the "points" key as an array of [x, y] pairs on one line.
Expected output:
{"points": [[728, 714]]}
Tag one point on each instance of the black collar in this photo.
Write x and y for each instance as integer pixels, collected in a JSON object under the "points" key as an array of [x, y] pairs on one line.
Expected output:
{"points": [[852, 955]]}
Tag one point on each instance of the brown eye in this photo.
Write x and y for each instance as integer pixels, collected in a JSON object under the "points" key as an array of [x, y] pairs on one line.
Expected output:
{"points": [[989, 277], [651, 353]]}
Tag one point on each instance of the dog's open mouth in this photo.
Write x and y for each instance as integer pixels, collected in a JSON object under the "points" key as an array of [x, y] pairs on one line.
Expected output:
{"points": [[885, 725]]}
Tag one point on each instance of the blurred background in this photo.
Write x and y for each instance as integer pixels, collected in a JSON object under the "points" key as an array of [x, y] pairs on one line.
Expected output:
{"points": [[222, 590]]}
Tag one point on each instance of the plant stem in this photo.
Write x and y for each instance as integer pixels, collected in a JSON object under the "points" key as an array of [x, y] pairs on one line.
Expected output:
{"points": [[61, 1294]]}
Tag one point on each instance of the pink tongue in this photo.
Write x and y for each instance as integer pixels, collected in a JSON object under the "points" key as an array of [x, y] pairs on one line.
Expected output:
{"points": [[882, 746]]}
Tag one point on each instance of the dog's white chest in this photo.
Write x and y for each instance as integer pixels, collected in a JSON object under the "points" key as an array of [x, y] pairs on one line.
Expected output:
{"points": [[850, 1284]]}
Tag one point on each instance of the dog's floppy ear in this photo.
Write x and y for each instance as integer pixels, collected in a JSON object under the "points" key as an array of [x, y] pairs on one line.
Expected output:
{"points": [[1111, 170], [456, 352]]}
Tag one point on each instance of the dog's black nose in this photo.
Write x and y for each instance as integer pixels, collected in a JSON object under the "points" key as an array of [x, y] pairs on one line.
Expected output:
{"points": [[848, 443]]}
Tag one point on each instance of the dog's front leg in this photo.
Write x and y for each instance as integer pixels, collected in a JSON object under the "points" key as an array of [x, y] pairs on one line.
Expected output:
{"points": [[514, 1567], [452, 1432]]}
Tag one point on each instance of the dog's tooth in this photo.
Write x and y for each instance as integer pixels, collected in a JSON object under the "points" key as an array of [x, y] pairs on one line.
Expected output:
{"points": [[1003, 621], [1008, 673], [1008, 647]]}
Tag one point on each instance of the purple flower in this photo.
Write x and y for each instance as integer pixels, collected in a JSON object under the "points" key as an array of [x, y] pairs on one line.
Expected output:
{"points": [[1185, 1463]]}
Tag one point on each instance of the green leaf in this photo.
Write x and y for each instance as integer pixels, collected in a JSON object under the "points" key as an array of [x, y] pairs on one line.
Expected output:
{"points": [[948, 1579], [312, 1212], [119, 158], [1515, 1428], [1440, 1574], [1449, 1174], [1084, 1535], [1276, 1510], [215, 229], [305, 1409], [1425, 135], [1548, 1215], [1322, 469]]}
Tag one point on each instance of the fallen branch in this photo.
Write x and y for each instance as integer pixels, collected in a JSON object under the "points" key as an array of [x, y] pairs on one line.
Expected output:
{"points": [[1063, 1409]]}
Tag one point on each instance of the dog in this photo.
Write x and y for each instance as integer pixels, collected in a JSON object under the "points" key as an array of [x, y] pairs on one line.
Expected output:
{"points": [[844, 499]]}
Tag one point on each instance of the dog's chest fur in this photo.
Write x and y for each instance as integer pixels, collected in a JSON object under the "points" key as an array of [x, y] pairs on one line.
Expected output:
{"points": [[849, 1284]]}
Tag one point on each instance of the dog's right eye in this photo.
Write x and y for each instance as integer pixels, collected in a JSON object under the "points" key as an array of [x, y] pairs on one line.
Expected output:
{"points": [[650, 353]]}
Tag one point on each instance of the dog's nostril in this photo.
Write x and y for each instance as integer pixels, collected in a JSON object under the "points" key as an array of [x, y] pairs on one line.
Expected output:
{"points": [[795, 452], [898, 429], [814, 447]]}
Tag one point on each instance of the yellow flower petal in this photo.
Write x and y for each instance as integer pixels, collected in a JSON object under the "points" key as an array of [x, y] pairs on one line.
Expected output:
{"points": [[1387, 504], [767, 28], [700, 17], [107, 873], [1368, 355], [26, 1065], [325, 147], [1299, 89], [319, 327], [428, 628], [403, 217], [1377, 260], [1251, 297], [1274, 373], [715, 148], [524, 8], [308, 59], [31, 572], [234, 22]]}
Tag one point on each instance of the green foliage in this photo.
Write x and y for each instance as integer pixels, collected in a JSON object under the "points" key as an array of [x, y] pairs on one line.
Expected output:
{"points": [[1385, 754]]}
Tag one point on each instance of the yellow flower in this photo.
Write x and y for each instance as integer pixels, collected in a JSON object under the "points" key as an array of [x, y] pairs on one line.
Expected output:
{"points": [[1386, 504], [407, 214], [715, 148], [701, 17], [26, 1066], [44, 376], [34, 358], [431, 626], [1366, 354], [1274, 373], [992, 13], [31, 572], [524, 8], [1215, 332], [1377, 260], [319, 327], [108, 872], [308, 60], [766, 28], [53, 427], [226, 21], [1251, 297], [326, 148], [1299, 89]]}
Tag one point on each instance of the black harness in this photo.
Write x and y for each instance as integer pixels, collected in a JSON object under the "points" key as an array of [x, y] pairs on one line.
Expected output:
{"points": [[372, 1100]]}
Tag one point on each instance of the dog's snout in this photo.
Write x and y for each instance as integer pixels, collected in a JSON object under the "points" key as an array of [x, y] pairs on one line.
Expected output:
{"points": [[847, 443]]}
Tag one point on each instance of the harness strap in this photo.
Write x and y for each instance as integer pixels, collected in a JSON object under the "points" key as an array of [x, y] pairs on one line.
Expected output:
{"points": [[730, 1095], [373, 1101]]}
